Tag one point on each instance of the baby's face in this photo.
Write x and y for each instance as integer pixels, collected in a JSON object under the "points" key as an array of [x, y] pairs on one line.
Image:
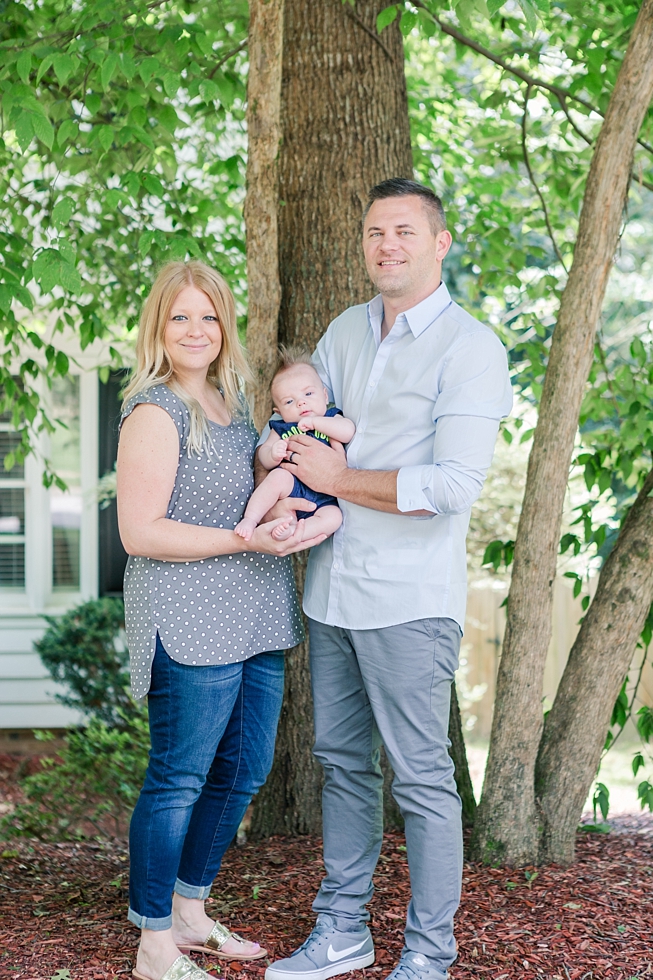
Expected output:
{"points": [[297, 392]]}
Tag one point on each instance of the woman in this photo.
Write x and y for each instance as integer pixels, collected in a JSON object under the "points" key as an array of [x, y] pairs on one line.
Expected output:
{"points": [[207, 614]]}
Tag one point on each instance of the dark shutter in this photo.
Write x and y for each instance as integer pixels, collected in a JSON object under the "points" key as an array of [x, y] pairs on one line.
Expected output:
{"points": [[113, 556]]}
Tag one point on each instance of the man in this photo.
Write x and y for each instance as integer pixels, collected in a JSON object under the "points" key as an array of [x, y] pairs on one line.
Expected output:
{"points": [[426, 386]]}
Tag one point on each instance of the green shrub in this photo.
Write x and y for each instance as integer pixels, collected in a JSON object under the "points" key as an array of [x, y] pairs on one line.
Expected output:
{"points": [[89, 789], [85, 651]]}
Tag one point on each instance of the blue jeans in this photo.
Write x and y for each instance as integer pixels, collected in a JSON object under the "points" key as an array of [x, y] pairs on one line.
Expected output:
{"points": [[213, 731]]}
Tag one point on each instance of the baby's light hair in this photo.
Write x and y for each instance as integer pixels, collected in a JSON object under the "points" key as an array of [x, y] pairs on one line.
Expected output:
{"points": [[289, 357]]}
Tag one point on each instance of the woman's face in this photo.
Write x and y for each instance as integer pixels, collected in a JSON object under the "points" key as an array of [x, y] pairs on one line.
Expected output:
{"points": [[192, 338]]}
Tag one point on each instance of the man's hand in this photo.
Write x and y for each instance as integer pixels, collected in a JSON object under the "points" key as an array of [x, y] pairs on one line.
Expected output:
{"points": [[319, 466]]}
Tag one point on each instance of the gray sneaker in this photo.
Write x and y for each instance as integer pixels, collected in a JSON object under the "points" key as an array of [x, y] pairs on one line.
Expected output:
{"points": [[415, 966], [326, 953]]}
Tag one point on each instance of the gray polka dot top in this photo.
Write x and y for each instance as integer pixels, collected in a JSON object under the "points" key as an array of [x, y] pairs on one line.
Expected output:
{"points": [[221, 610]]}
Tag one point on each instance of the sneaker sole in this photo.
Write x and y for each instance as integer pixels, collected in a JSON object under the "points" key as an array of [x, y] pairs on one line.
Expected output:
{"points": [[327, 971]]}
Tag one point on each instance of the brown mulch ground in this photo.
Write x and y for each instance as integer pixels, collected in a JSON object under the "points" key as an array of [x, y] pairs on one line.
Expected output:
{"points": [[62, 910]]}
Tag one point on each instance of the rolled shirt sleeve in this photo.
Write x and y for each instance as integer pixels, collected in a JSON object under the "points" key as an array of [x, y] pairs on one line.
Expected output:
{"points": [[475, 394]]}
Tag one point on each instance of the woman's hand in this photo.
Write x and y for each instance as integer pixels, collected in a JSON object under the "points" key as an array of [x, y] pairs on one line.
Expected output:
{"points": [[263, 541]]}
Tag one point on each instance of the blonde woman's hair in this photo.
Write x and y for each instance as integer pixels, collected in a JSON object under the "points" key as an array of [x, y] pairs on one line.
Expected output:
{"points": [[153, 366]]}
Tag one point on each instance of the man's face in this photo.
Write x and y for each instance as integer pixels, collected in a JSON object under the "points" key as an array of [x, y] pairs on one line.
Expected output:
{"points": [[402, 254]]}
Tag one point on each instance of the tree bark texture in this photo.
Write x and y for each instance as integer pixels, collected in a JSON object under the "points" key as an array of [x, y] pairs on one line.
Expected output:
{"points": [[344, 125], [575, 729], [458, 753], [506, 825], [261, 205]]}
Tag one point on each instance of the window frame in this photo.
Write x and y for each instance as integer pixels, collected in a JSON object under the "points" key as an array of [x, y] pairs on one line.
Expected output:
{"points": [[38, 596]]}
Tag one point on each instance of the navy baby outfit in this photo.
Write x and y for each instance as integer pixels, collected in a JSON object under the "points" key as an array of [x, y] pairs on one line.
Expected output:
{"points": [[288, 429]]}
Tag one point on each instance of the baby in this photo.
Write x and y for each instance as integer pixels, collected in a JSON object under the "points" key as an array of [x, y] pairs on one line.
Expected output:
{"points": [[300, 399]]}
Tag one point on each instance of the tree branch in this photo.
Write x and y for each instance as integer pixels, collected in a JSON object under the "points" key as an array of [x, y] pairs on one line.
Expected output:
{"points": [[227, 56], [72, 33], [557, 90], [372, 34], [534, 182]]}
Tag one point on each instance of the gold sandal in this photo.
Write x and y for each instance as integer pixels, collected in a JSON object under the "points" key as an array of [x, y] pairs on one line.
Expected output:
{"points": [[182, 969], [216, 939]]}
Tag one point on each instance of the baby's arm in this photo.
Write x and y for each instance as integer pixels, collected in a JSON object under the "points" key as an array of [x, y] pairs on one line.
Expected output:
{"points": [[335, 426], [272, 451]]}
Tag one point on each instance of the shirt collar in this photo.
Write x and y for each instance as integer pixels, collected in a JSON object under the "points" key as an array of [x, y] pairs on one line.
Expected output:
{"points": [[419, 317]]}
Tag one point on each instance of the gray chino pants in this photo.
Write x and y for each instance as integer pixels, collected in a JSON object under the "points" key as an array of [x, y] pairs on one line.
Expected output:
{"points": [[389, 686]]}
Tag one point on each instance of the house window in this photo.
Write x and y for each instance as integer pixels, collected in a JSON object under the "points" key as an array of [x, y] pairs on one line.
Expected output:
{"points": [[12, 510], [66, 506]]}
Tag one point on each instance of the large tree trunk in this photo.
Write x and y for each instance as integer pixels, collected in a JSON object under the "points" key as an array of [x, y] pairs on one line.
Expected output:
{"points": [[339, 136], [344, 127], [261, 204], [575, 729], [506, 825]]}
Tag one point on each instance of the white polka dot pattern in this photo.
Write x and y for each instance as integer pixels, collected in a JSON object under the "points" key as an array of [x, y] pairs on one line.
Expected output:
{"points": [[220, 610]]}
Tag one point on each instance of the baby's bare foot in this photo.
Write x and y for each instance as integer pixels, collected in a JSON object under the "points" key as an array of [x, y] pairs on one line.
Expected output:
{"points": [[283, 531], [246, 528]]}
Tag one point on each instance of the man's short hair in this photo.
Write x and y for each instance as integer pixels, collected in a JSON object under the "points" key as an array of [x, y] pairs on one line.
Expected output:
{"points": [[400, 187]]}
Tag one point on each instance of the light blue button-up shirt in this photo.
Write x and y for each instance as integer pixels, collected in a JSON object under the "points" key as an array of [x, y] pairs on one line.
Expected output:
{"points": [[427, 402]]}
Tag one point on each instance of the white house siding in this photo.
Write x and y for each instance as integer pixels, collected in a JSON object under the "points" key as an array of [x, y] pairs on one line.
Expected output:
{"points": [[26, 689]]}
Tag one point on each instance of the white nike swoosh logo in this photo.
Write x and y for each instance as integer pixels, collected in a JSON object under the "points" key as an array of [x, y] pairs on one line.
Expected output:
{"points": [[333, 956]]}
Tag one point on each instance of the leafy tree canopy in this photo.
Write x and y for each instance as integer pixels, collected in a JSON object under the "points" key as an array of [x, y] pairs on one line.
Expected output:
{"points": [[121, 146]]}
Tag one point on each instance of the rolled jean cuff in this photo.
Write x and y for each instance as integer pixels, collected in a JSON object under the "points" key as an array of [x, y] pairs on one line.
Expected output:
{"points": [[192, 891], [143, 922]]}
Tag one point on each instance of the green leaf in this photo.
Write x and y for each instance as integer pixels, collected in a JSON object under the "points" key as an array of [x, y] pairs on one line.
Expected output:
{"points": [[24, 130], [171, 83], [64, 66], [145, 242], [408, 21], [494, 5], [168, 118], [93, 102], [61, 363], [153, 185], [637, 763], [45, 65], [24, 66], [109, 68], [63, 211], [51, 269], [67, 250], [386, 17], [128, 65], [105, 137], [530, 14], [44, 130], [601, 799], [67, 132], [6, 298], [209, 91], [147, 68], [69, 278]]}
